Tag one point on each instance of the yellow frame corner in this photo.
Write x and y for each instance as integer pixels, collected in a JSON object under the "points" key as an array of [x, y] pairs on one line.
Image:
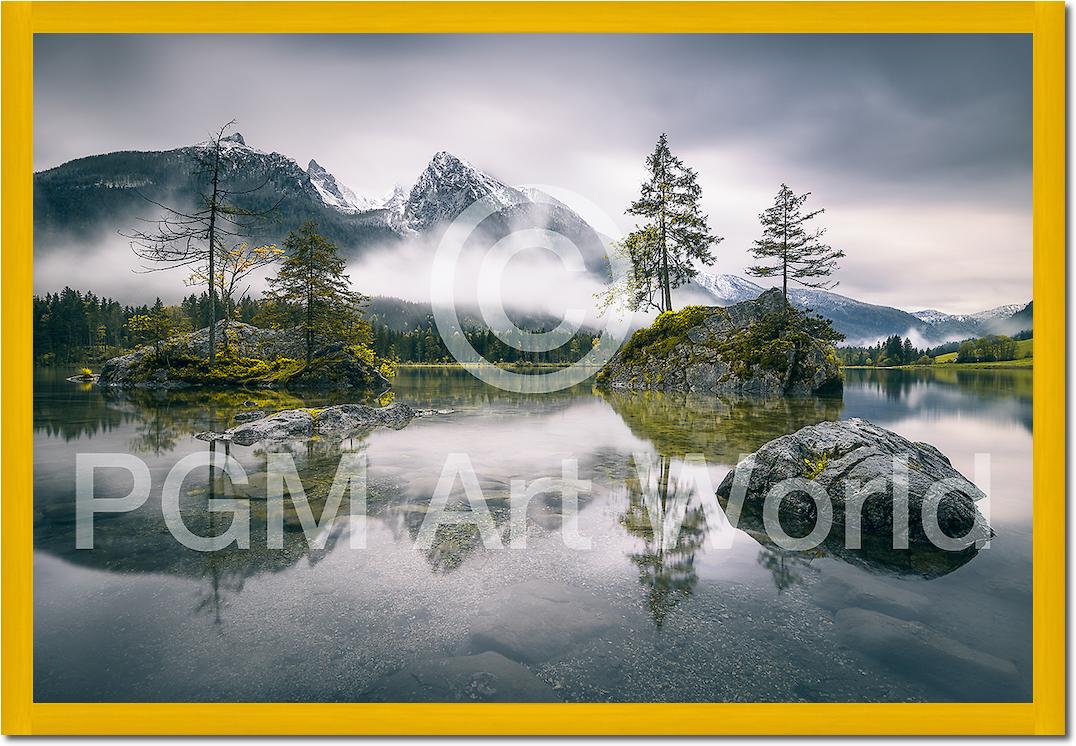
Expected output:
{"points": [[1044, 20]]}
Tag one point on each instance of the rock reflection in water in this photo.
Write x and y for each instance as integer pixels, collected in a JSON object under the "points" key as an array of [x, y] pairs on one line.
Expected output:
{"points": [[876, 555]]}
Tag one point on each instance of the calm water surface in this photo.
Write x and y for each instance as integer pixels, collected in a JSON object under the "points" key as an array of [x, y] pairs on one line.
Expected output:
{"points": [[640, 616]]}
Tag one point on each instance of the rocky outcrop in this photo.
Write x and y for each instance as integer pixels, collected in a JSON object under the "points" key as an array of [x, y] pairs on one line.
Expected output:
{"points": [[741, 349], [251, 356], [340, 421], [852, 459]]}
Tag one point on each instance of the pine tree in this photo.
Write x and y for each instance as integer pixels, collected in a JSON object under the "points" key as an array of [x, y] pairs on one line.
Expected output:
{"points": [[797, 251], [675, 235], [155, 325], [312, 292]]}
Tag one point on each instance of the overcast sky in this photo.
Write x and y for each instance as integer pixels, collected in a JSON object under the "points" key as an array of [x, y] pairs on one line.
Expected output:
{"points": [[919, 147]]}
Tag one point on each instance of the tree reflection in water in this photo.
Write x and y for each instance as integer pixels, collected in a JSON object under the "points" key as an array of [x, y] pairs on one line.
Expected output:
{"points": [[787, 567], [660, 513]]}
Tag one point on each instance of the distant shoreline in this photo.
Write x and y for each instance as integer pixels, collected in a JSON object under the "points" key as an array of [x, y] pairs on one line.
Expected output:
{"points": [[1024, 362]]}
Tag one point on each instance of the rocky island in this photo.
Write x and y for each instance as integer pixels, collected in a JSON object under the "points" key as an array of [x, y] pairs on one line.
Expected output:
{"points": [[249, 357], [759, 347]]}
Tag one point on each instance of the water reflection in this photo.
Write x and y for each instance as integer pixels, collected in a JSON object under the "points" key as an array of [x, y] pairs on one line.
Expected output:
{"points": [[876, 555], [672, 532], [788, 568], [678, 602], [720, 428], [881, 395]]}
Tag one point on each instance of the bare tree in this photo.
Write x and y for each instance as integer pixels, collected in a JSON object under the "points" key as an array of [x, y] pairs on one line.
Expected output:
{"points": [[181, 238]]}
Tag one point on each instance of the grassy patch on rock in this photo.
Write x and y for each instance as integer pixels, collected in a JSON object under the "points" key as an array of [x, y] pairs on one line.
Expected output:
{"points": [[236, 370], [667, 332]]}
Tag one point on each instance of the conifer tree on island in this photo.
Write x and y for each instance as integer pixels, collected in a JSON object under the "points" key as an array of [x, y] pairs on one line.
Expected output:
{"points": [[675, 235], [312, 293], [795, 251]]}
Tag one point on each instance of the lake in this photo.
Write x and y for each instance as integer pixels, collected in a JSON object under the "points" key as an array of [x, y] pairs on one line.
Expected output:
{"points": [[637, 616]]}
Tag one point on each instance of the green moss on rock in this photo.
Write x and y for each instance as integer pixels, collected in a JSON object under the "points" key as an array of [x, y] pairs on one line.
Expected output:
{"points": [[755, 347]]}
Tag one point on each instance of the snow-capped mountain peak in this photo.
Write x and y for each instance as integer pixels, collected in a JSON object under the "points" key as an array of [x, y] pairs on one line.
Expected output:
{"points": [[394, 205], [728, 289], [448, 186], [1000, 312], [934, 317], [395, 197], [334, 194], [230, 145]]}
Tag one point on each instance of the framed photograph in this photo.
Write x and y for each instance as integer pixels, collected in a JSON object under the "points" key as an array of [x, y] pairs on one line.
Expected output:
{"points": [[533, 368]]}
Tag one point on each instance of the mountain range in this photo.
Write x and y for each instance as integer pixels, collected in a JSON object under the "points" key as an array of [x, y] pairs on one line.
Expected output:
{"points": [[866, 323], [102, 194]]}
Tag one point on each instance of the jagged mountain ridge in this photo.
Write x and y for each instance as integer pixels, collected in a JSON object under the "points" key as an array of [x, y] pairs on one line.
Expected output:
{"points": [[108, 193], [335, 194], [98, 196]]}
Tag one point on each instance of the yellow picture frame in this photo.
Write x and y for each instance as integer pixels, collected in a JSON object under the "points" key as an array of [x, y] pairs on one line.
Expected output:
{"points": [[1045, 714]]}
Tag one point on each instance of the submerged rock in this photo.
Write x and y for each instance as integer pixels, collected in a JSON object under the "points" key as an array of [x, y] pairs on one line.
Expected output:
{"points": [[836, 593], [843, 458], [725, 351], [924, 654], [538, 621], [486, 677]]}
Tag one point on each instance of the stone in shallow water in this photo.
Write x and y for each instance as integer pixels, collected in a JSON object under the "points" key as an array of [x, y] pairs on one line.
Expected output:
{"points": [[843, 458], [923, 654], [292, 423], [538, 621], [486, 677]]}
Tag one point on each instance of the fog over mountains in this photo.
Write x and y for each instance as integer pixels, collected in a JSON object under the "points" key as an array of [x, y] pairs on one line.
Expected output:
{"points": [[82, 205]]}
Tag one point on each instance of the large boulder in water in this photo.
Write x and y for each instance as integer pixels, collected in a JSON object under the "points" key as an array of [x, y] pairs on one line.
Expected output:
{"points": [[250, 356], [854, 459], [741, 349]]}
